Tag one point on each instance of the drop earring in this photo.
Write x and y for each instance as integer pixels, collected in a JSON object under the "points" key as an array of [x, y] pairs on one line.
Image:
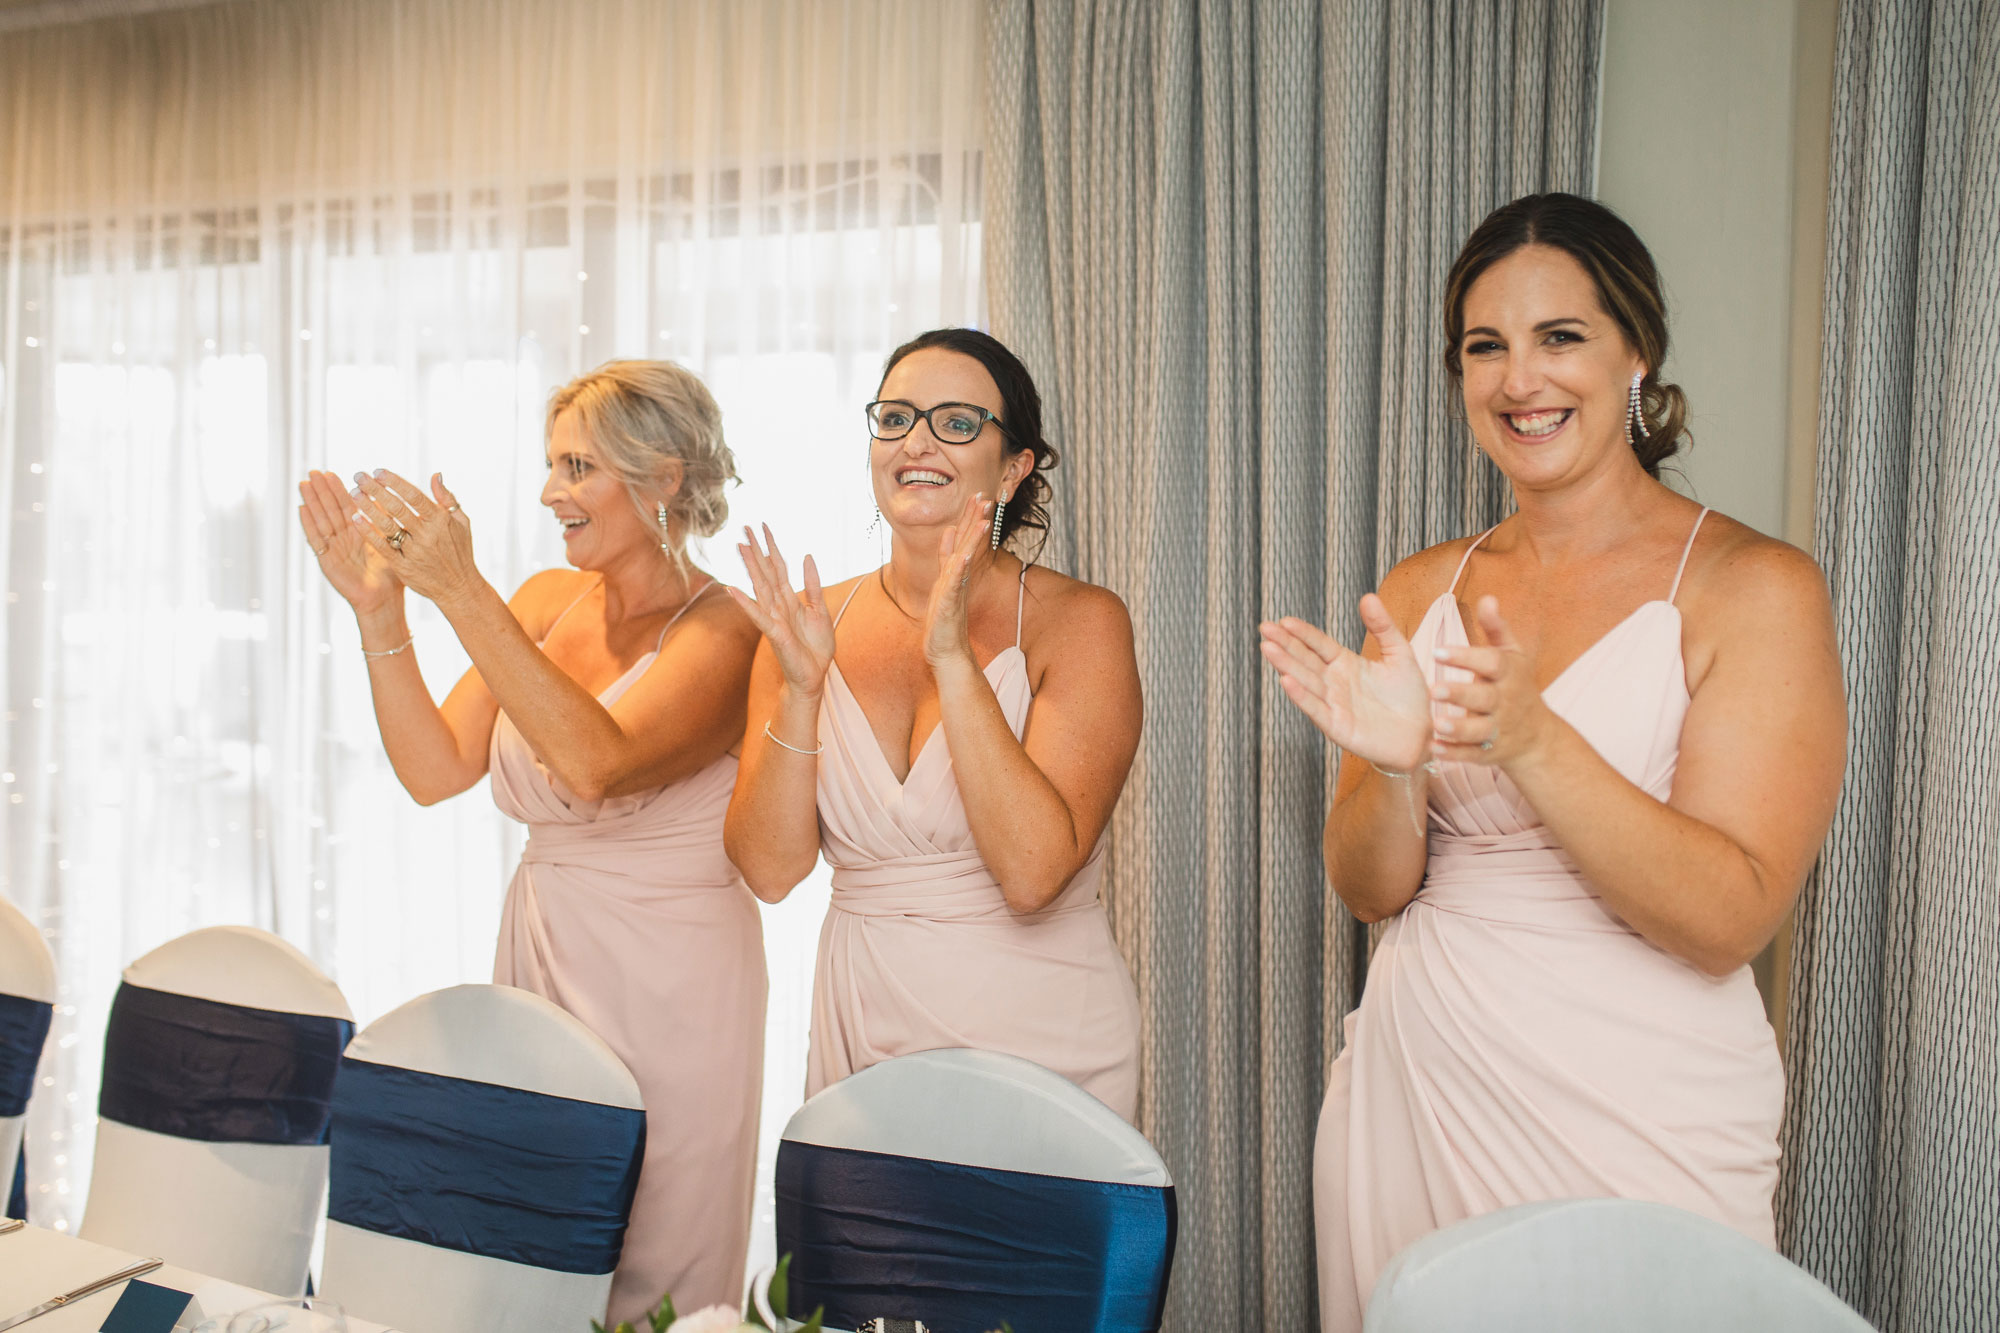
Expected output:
{"points": [[1635, 419], [666, 537], [999, 513]]}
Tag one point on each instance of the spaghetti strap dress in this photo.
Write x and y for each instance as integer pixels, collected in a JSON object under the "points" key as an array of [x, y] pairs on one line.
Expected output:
{"points": [[1517, 1041], [919, 949], [626, 913]]}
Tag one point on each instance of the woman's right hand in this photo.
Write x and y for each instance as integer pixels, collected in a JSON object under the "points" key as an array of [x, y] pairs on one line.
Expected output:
{"points": [[1379, 709], [356, 570], [796, 623]]}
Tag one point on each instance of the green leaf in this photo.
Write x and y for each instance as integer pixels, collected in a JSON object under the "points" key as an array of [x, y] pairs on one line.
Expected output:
{"points": [[781, 1288], [661, 1317], [812, 1325], [596, 1327]]}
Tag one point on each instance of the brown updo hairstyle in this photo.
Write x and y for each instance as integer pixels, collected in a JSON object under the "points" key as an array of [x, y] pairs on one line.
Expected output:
{"points": [[1020, 417], [1628, 288], [645, 416]]}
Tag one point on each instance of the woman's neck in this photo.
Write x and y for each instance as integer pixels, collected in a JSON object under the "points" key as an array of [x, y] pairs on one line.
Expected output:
{"points": [[1584, 518], [913, 568], [647, 583]]}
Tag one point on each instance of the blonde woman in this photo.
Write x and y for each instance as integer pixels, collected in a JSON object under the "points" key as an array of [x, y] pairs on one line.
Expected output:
{"points": [[606, 701]]}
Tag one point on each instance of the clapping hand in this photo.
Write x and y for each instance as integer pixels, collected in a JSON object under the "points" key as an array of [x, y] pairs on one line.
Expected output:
{"points": [[426, 541], [796, 623], [357, 571], [947, 624], [1493, 711], [1379, 710]]}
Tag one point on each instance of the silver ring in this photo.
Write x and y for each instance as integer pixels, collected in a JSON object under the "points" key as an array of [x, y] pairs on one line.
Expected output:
{"points": [[398, 537], [316, 550]]}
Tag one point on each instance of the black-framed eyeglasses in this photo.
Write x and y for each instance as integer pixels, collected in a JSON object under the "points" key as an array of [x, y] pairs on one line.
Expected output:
{"points": [[950, 423]]}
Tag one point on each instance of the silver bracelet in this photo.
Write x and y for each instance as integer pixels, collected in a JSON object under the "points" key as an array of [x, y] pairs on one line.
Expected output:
{"points": [[391, 652], [793, 748]]}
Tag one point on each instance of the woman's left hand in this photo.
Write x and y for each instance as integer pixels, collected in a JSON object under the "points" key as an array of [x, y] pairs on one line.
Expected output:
{"points": [[947, 624], [433, 556], [1496, 716]]}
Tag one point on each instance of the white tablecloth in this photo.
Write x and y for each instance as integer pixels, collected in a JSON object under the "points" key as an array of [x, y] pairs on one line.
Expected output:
{"points": [[37, 1265]]}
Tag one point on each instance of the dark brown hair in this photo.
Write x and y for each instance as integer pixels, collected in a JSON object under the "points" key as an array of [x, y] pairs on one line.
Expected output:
{"points": [[1628, 287], [1020, 417]]}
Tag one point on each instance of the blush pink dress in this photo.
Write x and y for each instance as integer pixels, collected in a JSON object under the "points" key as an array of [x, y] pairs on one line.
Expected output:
{"points": [[1517, 1041], [920, 950], [626, 913]]}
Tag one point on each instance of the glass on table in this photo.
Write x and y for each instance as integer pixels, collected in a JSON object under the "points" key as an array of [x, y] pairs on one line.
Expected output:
{"points": [[306, 1314]]}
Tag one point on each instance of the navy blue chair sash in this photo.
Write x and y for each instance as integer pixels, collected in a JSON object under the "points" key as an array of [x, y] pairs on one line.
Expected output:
{"points": [[964, 1247], [224, 1073], [24, 1028], [523, 1176]]}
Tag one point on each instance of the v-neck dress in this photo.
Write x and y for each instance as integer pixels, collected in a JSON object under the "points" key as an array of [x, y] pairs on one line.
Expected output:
{"points": [[920, 950], [1517, 1041], [627, 913]]}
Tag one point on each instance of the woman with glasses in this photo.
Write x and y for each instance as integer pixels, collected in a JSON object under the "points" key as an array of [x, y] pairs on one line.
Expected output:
{"points": [[951, 731]]}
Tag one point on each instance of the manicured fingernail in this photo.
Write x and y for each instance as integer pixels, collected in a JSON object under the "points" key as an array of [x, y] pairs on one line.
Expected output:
{"points": [[377, 474], [360, 477], [1439, 692], [354, 491], [1441, 654]]}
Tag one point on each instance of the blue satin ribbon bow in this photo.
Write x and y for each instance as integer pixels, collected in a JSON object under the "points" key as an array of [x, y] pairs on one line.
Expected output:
{"points": [[523, 1176], [964, 1247]]}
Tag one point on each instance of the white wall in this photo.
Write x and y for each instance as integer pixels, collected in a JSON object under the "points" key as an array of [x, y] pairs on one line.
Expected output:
{"points": [[1713, 147]]}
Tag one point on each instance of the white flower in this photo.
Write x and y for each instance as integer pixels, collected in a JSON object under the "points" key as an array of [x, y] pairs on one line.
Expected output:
{"points": [[715, 1319]]}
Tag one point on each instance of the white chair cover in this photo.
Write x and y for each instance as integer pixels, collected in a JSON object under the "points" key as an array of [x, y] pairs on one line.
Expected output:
{"points": [[243, 1212], [982, 1110], [27, 972], [513, 1039], [1588, 1265]]}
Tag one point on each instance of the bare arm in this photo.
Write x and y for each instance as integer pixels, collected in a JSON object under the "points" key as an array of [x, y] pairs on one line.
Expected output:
{"points": [[772, 830], [1371, 705], [679, 717], [435, 752], [1038, 805], [1708, 874]]}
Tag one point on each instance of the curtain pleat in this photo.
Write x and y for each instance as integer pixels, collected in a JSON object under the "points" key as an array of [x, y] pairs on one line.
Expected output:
{"points": [[1890, 1190], [1219, 237]]}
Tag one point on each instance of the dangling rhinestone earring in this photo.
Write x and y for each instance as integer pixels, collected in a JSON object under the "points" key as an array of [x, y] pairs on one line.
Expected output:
{"points": [[999, 513], [666, 548], [1635, 419], [876, 521]]}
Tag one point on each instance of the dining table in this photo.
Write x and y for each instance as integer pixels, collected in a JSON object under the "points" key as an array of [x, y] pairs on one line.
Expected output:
{"points": [[37, 1264]]}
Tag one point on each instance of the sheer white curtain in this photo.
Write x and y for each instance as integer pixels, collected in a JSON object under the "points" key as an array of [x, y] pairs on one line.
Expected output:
{"points": [[238, 240]]}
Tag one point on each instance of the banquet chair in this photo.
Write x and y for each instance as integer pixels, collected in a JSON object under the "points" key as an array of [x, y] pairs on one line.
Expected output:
{"points": [[219, 1060], [1585, 1265], [27, 1001], [486, 1146], [967, 1188]]}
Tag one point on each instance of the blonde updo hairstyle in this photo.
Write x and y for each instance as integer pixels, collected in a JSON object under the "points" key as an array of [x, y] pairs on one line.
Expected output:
{"points": [[644, 416]]}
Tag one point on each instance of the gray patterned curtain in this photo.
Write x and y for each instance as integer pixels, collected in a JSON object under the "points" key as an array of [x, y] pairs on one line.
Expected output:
{"points": [[1891, 1187], [1218, 233]]}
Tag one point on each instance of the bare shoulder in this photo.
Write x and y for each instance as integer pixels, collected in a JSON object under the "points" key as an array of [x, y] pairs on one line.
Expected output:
{"points": [[545, 595], [1063, 612], [716, 616], [1416, 581], [1738, 576]]}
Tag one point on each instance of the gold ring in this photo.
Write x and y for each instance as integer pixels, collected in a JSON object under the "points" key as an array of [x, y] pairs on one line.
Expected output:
{"points": [[398, 537]]}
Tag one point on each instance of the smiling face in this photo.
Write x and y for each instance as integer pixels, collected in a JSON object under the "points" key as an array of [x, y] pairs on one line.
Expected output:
{"points": [[1545, 370], [599, 523], [921, 483]]}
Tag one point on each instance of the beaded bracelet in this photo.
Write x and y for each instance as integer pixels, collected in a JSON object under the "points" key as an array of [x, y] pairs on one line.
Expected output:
{"points": [[391, 652]]}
